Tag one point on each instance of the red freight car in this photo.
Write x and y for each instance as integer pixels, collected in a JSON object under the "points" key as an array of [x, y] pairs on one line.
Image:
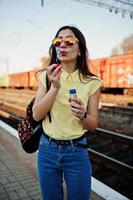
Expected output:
{"points": [[24, 79], [116, 72], [32, 79], [18, 80]]}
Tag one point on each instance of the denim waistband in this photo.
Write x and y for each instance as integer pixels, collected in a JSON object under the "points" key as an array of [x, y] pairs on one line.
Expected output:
{"points": [[66, 142]]}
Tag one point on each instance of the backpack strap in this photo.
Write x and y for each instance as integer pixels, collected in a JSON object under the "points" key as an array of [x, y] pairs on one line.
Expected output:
{"points": [[48, 84]]}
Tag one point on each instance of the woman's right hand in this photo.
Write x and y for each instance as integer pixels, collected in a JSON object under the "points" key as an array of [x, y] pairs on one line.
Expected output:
{"points": [[54, 73]]}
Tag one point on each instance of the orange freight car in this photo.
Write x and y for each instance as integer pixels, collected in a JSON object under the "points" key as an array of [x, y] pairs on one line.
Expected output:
{"points": [[18, 80], [97, 67], [116, 72], [24, 79], [120, 69], [32, 79]]}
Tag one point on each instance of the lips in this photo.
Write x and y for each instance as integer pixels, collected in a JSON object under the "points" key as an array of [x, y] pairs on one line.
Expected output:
{"points": [[63, 53]]}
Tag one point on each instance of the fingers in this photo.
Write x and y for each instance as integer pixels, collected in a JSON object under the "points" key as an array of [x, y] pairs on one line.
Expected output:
{"points": [[79, 113], [54, 73], [77, 108], [77, 101], [54, 68], [57, 70]]}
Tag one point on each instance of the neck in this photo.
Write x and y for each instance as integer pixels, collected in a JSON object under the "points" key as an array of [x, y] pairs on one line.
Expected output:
{"points": [[69, 67]]}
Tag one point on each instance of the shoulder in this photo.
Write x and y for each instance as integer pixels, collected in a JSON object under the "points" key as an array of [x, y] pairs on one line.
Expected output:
{"points": [[42, 76], [41, 73], [95, 84], [95, 78]]}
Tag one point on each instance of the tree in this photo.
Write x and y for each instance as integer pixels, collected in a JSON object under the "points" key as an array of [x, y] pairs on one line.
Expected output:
{"points": [[44, 60], [115, 51], [127, 44], [125, 47]]}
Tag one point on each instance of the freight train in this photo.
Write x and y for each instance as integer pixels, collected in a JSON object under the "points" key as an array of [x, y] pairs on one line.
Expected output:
{"points": [[116, 73], [20, 80]]}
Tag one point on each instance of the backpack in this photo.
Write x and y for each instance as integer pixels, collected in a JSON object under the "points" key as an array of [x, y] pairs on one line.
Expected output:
{"points": [[29, 130]]}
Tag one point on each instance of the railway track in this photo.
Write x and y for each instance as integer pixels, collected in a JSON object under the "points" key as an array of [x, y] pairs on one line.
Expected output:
{"points": [[128, 110], [111, 155], [117, 118], [112, 159], [14, 96]]}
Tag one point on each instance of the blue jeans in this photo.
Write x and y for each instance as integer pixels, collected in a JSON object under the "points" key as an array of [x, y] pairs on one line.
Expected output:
{"points": [[57, 163]]}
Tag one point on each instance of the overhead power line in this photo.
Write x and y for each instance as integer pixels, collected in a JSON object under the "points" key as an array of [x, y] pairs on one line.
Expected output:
{"points": [[116, 6]]}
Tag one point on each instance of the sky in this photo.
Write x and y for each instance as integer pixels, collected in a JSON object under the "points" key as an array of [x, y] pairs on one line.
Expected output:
{"points": [[27, 28]]}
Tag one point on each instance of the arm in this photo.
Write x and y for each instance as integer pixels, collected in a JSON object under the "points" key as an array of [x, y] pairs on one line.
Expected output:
{"points": [[44, 101], [91, 121], [78, 109]]}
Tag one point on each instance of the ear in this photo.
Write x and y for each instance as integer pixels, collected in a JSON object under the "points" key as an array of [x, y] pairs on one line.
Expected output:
{"points": [[79, 54]]}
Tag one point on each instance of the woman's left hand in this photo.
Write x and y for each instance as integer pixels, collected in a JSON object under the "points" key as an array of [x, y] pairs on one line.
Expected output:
{"points": [[77, 108]]}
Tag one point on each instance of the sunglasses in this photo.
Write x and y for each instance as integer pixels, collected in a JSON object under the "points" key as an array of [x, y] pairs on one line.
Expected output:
{"points": [[69, 41]]}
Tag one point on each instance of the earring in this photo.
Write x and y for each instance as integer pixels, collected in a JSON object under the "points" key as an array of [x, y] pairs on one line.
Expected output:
{"points": [[79, 54]]}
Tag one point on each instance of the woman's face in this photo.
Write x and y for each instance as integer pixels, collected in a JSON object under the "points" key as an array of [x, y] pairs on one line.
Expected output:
{"points": [[68, 53]]}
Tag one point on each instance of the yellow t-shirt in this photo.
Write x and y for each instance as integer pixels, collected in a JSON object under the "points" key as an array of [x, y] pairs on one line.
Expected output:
{"points": [[64, 124]]}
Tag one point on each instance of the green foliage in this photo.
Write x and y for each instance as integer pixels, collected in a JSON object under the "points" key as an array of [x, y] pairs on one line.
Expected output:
{"points": [[4, 80]]}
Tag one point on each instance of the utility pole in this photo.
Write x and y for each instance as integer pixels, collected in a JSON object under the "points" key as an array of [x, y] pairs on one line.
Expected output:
{"points": [[42, 3], [4, 65]]}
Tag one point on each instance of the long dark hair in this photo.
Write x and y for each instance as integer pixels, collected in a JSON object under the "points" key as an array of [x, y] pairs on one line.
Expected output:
{"points": [[83, 59]]}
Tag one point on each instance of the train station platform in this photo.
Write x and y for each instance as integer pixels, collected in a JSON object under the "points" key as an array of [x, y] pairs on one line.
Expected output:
{"points": [[18, 172]]}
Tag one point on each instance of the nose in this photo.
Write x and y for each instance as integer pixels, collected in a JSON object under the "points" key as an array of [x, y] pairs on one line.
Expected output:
{"points": [[63, 44]]}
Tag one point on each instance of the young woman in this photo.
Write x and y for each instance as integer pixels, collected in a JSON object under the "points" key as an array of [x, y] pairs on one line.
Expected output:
{"points": [[61, 156]]}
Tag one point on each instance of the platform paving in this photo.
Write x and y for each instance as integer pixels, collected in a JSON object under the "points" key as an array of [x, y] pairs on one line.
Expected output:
{"points": [[18, 176]]}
